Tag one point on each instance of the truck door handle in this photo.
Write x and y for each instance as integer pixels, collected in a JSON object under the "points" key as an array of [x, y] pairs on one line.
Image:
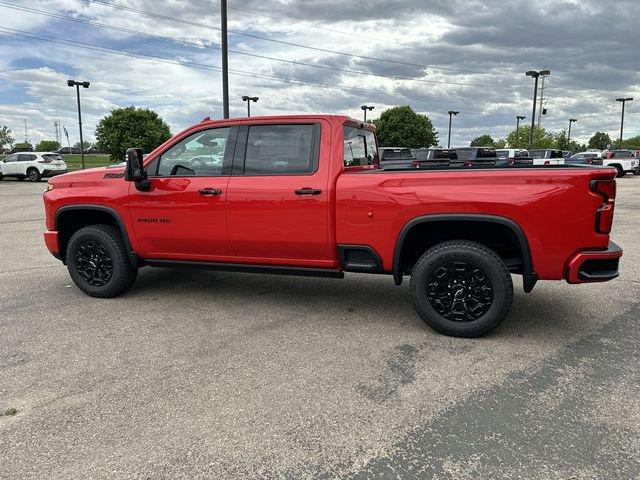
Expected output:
{"points": [[308, 191], [209, 191]]}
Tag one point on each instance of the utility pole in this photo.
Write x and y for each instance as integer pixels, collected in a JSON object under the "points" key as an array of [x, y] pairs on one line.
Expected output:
{"points": [[225, 59], [535, 74], [26, 132], [542, 96], [623, 101], [451, 114], [571, 120], [518, 118], [73, 83], [364, 109], [248, 99]]}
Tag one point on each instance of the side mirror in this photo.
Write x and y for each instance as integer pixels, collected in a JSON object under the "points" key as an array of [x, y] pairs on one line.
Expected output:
{"points": [[134, 171]]}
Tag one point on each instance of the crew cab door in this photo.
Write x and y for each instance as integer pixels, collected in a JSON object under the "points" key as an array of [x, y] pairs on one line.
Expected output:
{"points": [[182, 214], [278, 194]]}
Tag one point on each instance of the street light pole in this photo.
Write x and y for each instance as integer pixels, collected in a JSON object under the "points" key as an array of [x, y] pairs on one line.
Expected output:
{"points": [[364, 109], [571, 120], [225, 59], [623, 101], [451, 114], [248, 99], [518, 118], [73, 83], [536, 75]]}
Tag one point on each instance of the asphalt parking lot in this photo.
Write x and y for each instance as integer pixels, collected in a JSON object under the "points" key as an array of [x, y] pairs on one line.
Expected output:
{"points": [[195, 374]]}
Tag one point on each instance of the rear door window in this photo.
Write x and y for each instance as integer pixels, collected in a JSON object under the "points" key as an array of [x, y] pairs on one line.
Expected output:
{"points": [[282, 149]]}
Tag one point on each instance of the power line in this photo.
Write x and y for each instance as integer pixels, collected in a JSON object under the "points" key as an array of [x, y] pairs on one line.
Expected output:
{"points": [[267, 39], [89, 46], [238, 52], [297, 20]]}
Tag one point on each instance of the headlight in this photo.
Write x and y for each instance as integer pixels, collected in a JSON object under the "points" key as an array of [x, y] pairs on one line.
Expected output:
{"points": [[49, 187]]}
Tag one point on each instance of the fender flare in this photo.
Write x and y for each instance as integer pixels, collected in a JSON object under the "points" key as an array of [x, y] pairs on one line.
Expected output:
{"points": [[529, 276], [134, 259]]}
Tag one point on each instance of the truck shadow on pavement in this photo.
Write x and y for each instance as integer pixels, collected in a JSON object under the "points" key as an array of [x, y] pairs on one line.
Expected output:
{"points": [[549, 310]]}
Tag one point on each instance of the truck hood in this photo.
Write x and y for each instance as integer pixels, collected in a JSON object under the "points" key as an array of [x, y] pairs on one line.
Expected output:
{"points": [[89, 176]]}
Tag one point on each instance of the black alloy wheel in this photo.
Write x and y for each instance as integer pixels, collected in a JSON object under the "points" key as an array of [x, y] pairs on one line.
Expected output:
{"points": [[94, 263], [461, 288], [459, 291]]}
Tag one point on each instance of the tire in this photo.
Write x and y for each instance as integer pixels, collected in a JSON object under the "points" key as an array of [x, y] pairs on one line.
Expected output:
{"points": [[98, 262], [621, 172], [33, 175], [440, 277]]}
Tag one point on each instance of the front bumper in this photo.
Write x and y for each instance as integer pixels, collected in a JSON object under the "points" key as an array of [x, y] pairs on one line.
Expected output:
{"points": [[594, 265], [53, 173], [52, 243]]}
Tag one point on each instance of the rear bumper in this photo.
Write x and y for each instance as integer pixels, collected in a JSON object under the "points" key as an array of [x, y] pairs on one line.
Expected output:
{"points": [[53, 173], [594, 265], [51, 241]]}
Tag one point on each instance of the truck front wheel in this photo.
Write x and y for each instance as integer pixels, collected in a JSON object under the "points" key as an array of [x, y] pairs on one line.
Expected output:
{"points": [[461, 288], [98, 263]]}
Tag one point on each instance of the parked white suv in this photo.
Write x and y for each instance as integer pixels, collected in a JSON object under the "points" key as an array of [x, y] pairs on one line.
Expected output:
{"points": [[32, 165]]}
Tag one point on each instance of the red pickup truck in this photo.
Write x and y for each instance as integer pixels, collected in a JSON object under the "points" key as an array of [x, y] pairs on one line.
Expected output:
{"points": [[304, 195]]}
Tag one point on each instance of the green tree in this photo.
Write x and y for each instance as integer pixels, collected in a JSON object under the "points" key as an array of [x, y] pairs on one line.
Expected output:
{"points": [[47, 146], [483, 141], [130, 127], [632, 143], [600, 141], [541, 138], [561, 143], [5, 136], [84, 143], [402, 127], [23, 145], [501, 143]]}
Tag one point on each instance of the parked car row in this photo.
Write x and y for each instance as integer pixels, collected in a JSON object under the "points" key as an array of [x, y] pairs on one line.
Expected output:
{"points": [[393, 158], [61, 151]]}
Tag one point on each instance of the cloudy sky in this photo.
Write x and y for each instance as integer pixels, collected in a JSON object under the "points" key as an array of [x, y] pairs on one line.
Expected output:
{"points": [[326, 56]]}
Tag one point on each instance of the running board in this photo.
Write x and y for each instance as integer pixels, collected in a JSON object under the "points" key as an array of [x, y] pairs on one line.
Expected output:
{"points": [[247, 268]]}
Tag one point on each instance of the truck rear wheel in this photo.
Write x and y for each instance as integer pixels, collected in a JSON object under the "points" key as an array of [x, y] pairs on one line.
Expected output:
{"points": [[98, 263], [461, 288]]}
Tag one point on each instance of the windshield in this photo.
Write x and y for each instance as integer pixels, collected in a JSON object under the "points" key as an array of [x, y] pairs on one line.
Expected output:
{"points": [[537, 153], [396, 154]]}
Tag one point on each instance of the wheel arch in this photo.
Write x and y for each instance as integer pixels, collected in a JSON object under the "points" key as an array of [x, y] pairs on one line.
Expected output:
{"points": [[71, 218], [529, 276]]}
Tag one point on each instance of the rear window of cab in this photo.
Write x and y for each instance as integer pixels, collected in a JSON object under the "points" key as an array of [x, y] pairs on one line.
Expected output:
{"points": [[360, 148]]}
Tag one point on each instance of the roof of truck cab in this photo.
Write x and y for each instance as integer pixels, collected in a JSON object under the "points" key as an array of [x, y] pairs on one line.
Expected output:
{"points": [[338, 118]]}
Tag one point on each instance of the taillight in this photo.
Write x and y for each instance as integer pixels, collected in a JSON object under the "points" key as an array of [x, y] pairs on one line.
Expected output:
{"points": [[590, 161], [512, 161], [604, 214], [547, 162], [415, 164]]}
